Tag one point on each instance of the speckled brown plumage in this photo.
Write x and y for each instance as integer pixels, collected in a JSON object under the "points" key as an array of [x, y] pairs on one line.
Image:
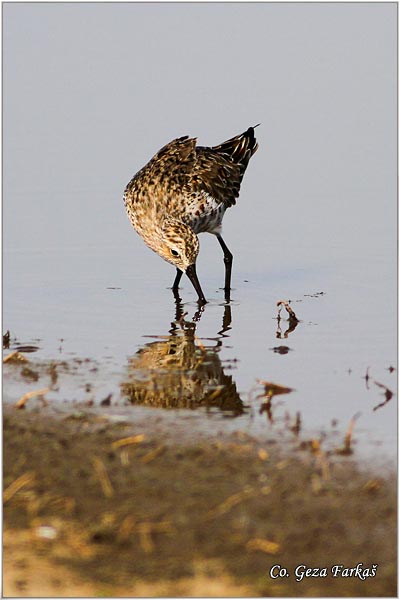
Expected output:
{"points": [[185, 190]]}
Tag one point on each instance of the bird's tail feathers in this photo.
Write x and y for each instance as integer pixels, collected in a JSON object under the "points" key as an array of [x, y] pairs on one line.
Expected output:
{"points": [[241, 147]]}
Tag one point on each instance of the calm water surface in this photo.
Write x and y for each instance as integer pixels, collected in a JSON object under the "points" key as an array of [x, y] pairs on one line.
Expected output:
{"points": [[106, 301]]}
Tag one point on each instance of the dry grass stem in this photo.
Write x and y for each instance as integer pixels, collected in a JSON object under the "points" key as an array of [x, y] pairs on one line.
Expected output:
{"points": [[264, 545], [323, 463], [27, 478], [124, 457], [103, 477], [146, 529], [133, 439], [126, 528], [152, 454], [232, 501]]}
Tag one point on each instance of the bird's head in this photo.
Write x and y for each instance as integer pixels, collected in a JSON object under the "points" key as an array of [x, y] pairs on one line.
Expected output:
{"points": [[179, 244]]}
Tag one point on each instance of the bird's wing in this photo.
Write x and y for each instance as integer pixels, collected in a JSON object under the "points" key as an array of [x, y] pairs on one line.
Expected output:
{"points": [[215, 174], [174, 158], [168, 170], [182, 169]]}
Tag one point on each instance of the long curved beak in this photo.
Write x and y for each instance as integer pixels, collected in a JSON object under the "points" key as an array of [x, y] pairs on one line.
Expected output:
{"points": [[191, 273]]}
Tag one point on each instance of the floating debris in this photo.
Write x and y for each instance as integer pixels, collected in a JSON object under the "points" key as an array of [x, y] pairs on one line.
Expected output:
{"points": [[347, 449], [6, 339], [15, 357], [273, 389], [28, 373], [366, 377], [52, 371], [296, 428], [388, 395], [315, 295], [106, 401], [35, 393], [26, 348]]}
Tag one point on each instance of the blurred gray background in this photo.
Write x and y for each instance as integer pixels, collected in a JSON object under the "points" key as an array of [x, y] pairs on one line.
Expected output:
{"points": [[92, 91]]}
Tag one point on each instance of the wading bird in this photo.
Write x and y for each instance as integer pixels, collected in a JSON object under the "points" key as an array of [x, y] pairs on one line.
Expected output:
{"points": [[185, 190]]}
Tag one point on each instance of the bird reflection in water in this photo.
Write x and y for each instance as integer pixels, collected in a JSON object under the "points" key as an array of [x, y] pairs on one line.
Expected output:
{"points": [[178, 371], [293, 321]]}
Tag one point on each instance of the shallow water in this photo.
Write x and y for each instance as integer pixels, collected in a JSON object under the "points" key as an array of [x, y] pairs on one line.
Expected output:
{"points": [[315, 222], [346, 324]]}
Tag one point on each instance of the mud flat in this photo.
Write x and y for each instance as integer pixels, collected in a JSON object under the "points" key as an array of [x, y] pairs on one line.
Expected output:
{"points": [[96, 505]]}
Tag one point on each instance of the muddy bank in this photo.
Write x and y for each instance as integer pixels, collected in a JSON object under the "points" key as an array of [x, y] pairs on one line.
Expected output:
{"points": [[119, 508]]}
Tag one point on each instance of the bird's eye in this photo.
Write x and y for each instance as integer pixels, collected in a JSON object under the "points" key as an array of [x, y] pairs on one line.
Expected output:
{"points": [[174, 252]]}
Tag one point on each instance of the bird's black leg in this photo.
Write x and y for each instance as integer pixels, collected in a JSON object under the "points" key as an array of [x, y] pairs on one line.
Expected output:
{"points": [[191, 273], [228, 259], [178, 278]]}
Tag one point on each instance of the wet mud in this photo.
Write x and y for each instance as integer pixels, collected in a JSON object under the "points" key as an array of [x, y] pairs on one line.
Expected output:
{"points": [[101, 505]]}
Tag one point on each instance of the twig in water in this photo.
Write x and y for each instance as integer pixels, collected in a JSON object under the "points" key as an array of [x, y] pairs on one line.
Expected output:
{"points": [[296, 428], [15, 356], [24, 399], [347, 449]]}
